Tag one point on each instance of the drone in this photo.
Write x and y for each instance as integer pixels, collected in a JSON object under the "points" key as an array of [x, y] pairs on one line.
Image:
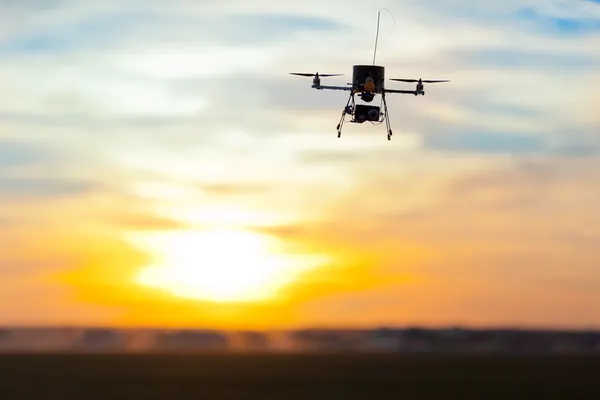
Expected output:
{"points": [[367, 83]]}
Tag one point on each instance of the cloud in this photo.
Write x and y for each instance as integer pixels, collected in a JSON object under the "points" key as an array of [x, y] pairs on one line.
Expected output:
{"points": [[14, 153], [501, 142], [140, 221], [531, 217], [161, 64], [543, 59], [574, 23], [36, 170], [513, 143], [24, 182], [69, 26], [16, 188], [143, 115], [233, 189], [516, 235]]}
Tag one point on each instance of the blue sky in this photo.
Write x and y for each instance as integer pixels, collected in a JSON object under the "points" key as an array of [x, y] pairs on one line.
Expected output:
{"points": [[110, 105], [548, 24]]}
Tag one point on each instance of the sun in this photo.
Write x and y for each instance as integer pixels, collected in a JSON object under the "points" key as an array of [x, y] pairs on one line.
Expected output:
{"points": [[221, 265]]}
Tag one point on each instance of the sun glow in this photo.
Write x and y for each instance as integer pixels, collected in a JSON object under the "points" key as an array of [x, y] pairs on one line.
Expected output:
{"points": [[221, 265]]}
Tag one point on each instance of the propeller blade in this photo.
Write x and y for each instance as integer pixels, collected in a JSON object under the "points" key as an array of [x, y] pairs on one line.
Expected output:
{"points": [[416, 80], [309, 74]]}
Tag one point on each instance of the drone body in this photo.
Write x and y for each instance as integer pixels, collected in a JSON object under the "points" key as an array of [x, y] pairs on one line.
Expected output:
{"points": [[368, 81]]}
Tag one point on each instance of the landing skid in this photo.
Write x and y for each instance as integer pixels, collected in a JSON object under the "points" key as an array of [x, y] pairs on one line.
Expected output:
{"points": [[349, 109], [387, 117]]}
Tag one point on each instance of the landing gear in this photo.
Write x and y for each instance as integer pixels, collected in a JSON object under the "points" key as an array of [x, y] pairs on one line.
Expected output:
{"points": [[360, 115], [387, 117], [349, 109]]}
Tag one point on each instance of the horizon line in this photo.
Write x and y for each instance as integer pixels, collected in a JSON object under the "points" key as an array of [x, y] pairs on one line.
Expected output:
{"points": [[307, 327]]}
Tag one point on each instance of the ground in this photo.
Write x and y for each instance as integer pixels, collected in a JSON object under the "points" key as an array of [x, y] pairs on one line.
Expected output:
{"points": [[290, 377]]}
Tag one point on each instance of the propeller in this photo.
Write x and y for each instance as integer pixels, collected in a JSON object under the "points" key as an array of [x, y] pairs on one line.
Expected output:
{"points": [[419, 80], [309, 74]]}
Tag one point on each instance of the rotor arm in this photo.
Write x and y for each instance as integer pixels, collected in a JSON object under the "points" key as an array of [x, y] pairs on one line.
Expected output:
{"points": [[329, 87], [413, 92], [420, 80]]}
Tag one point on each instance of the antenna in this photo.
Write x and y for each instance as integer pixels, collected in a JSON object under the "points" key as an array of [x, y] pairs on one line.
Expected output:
{"points": [[377, 34]]}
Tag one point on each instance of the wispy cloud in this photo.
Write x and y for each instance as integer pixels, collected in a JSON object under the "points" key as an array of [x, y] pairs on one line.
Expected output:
{"points": [[16, 188]]}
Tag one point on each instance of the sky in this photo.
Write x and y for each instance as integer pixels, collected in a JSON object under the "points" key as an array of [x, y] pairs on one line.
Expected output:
{"points": [[160, 167]]}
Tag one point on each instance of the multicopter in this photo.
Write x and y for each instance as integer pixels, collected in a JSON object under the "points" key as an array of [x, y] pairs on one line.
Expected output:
{"points": [[367, 82]]}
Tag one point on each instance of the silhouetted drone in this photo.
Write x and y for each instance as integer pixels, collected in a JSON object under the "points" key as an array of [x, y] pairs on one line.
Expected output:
{"points": [[367, 82]]}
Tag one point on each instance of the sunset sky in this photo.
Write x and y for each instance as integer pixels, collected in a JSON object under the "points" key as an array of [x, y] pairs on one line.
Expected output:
{"points": [[160, 167]]}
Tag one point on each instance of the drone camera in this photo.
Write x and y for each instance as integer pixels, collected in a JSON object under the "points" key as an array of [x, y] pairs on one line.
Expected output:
{"points": [[365, 112]]}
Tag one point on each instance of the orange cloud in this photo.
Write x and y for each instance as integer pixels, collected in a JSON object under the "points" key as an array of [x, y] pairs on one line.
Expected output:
{"points": [[509, 246]]}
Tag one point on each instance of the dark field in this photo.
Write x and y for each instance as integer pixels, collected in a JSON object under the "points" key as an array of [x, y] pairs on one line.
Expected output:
{"points": [[173, 377]]}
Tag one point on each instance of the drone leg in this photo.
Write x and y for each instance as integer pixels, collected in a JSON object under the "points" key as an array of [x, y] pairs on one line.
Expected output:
{"points": [[341, 123], [387, 117]]}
